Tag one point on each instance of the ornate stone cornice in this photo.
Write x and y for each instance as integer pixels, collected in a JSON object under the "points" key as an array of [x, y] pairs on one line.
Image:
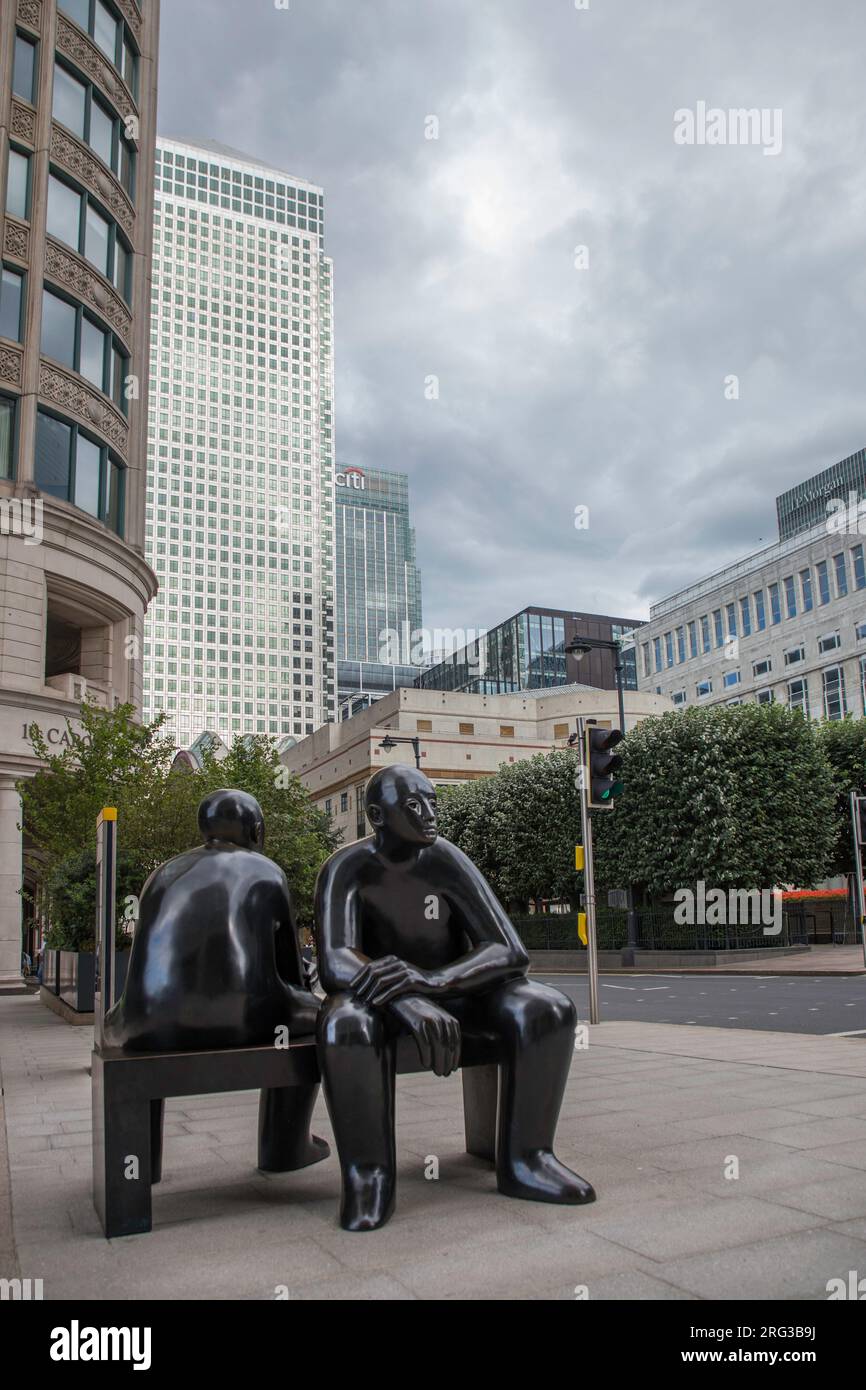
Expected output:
{"points": [[30, 14], [132, 14], [64, 389], [16, 239], [68, 269], [22, 121], [75, 45], [11, 364], [77, 159]]}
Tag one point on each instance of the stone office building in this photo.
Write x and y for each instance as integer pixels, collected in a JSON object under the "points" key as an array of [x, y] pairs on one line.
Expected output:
{"points": [[77, 113], [786, 623]]}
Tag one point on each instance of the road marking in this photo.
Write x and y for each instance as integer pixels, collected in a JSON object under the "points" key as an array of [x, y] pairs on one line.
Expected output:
{"points": [[631, 987], [853, 1033]]}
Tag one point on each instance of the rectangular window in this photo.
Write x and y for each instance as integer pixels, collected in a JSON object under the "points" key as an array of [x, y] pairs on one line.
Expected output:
{"points": [[467, 728], [657, 652], [7, 437], [860, 631], [790, 597], [681, 644], [58, 329], [833, 681], [823, 582], [798, 695], [88, 459], [93, 343], [760, 615], [105, 30], [704, 688], [24, 69], [841, 574], [679, 697], [79, 10], [731, 616], [11, 304], [829, 643], [327, 806], [69, 103], [858, 567], [745, 615], [693, 638], [775, 604], [806, 589], [717, 627], [64, 212], [53, 449], [765, 697], [669, 649], [97, 238], [762, 668], [424, 726], [706, 643], [731, 678], [645, 651], [793, 655], [18, 185]]}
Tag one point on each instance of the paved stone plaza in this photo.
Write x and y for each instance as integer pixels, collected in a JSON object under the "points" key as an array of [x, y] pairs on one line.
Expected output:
{"points": [[652, 1115]]}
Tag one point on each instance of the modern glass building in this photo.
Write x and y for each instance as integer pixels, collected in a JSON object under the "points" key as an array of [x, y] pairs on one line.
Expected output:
{"points": [[804, 506], [378, 585], [528, 651], [240, 518]]}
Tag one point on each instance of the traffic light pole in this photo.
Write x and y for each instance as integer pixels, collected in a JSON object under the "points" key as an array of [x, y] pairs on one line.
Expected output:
{"points": [[858, 870], [588, 882]]}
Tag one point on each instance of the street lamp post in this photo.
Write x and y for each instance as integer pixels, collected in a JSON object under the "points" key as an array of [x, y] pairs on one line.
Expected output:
{"points": [[388, 743], [579, 647]]}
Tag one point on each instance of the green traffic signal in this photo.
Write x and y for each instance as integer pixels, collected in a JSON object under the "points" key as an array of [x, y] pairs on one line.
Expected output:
{"points": [[603, 783]]}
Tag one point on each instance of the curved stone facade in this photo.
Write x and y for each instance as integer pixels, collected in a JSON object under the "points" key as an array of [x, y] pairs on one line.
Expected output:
{"points": [[74, 583]]}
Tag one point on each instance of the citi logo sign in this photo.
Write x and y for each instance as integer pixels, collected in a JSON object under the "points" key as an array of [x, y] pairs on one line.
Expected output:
{"points": [[352, 477], [77, 1343]]}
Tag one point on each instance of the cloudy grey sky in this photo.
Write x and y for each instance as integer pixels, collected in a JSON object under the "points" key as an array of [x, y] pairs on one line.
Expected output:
{"points": [[455, 257]]}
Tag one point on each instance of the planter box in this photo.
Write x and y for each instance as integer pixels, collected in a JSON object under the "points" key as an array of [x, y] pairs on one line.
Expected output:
{"points": [[71, 976]]}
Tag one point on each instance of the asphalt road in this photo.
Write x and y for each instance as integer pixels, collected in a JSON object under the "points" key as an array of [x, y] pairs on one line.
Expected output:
{"points": [[801, 1004]]}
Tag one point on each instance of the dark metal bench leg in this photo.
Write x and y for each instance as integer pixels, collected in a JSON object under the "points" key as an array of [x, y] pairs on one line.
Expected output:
{"points": [[480, 1100], [285, 1141], [121, 1156], [157, 1116]]}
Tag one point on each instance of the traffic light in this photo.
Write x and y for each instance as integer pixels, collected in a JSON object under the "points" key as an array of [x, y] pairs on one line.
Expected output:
{"points": [[603, 767]]}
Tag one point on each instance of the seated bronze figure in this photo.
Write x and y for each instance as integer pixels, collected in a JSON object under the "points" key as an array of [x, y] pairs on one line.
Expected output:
{"points": [[215, 961], [411, 938]]}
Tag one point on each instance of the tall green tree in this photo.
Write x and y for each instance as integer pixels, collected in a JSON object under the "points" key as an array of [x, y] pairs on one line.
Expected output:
{"points": [[844, 744], [740, 796], [110, 760], [520, 827]]}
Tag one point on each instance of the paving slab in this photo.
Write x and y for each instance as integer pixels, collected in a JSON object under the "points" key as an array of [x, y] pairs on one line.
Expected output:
{"points": [[650, 1115]]}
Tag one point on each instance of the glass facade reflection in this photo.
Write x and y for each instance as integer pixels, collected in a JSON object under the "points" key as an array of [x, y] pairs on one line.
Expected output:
{"points": [[528, 652], [805, 505]]}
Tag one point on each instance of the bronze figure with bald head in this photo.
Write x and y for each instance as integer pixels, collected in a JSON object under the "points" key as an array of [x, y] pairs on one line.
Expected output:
{"points": [[412, 939]]}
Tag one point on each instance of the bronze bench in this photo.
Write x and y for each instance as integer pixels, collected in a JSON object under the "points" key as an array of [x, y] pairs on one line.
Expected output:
{"points": [[130, 1090]]}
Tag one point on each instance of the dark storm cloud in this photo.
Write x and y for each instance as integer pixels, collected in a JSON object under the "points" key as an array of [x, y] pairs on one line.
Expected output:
{"points": [[455, 258]]}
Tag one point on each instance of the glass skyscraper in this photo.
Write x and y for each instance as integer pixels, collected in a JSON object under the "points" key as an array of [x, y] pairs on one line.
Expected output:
{"points": [[378, 585], [240, 503], [803, 506]]}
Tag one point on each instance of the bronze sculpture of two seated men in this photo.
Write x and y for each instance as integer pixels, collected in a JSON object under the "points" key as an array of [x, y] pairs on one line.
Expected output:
{"points": [[411, 941]]}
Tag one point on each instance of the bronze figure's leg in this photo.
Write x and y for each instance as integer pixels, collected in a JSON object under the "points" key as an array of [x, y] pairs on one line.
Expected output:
{"points": [[285, 1141], [536, 1025], [356, 1058]]}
